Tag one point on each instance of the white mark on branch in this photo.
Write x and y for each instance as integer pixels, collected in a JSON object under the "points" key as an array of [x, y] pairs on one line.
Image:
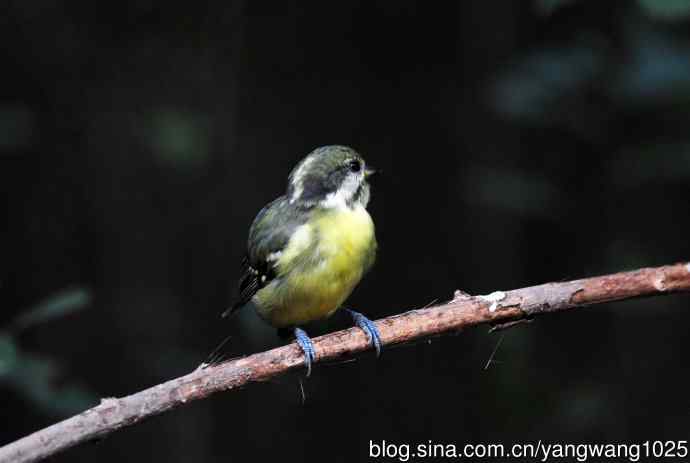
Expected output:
{"points": [[494, 298], [688, 267], [108, 402], [460, 294], [660, 283]]}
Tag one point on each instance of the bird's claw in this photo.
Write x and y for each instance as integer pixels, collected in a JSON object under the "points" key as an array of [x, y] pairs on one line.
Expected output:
{"points": [[369, 328], [307, 347]]}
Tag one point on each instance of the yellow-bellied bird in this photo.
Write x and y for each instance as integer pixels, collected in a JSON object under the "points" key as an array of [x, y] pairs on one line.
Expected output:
{"points": [[308, 249]]}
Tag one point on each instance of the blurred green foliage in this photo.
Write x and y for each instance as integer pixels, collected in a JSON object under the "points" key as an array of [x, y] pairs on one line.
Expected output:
{"points": [[59, 305], [536, 88], [39, 378], [547, 7], [521, 193], [178, 138], [672, 10], [583, 81]]}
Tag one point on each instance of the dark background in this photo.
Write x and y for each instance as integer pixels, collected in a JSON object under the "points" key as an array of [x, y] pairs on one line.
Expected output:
{"points": [[521, 142]]}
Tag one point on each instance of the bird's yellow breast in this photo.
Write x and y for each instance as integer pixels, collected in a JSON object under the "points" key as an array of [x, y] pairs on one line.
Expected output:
{"points": [[321, 265]]}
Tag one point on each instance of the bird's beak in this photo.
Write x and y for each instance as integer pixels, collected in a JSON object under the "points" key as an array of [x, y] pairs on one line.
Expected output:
{"points": [[369, 172]]}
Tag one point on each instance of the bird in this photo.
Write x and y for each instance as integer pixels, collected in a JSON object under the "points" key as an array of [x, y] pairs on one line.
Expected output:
{"points": [[308, 249]]}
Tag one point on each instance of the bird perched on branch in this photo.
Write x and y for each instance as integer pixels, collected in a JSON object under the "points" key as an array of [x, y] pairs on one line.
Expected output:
{"points": [[308, 249]]}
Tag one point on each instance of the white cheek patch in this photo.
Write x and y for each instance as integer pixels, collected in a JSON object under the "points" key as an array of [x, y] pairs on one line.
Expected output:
{"points": [[335, 200], [338, 199]]}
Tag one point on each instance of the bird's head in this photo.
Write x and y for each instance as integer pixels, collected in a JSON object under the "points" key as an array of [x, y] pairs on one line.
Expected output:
{"points": [[331, 177]]}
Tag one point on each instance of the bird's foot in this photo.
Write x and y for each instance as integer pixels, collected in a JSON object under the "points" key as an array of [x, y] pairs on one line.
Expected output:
{"points": [[369, 328], [307, 347]]}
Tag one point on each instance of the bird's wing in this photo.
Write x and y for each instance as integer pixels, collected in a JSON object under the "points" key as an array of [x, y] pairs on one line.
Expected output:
{"points": [[268, 236]]}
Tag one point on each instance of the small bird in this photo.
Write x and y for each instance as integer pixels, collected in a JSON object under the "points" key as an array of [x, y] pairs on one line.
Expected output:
{"points": [[308, 249]]}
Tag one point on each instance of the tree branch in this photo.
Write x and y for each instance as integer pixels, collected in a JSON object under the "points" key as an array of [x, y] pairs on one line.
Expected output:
{"points": [[461, 312]]}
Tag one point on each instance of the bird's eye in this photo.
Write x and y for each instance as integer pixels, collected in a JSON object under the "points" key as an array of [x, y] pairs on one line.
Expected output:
{"points": [[355, 166]]}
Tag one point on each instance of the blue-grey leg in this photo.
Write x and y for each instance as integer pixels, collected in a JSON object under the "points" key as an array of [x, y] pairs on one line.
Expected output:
{"points": [[307, 347], [368, 327]]}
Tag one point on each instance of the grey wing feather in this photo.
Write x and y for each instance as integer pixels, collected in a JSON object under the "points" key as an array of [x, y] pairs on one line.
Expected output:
{"points": [[268, 235]]}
